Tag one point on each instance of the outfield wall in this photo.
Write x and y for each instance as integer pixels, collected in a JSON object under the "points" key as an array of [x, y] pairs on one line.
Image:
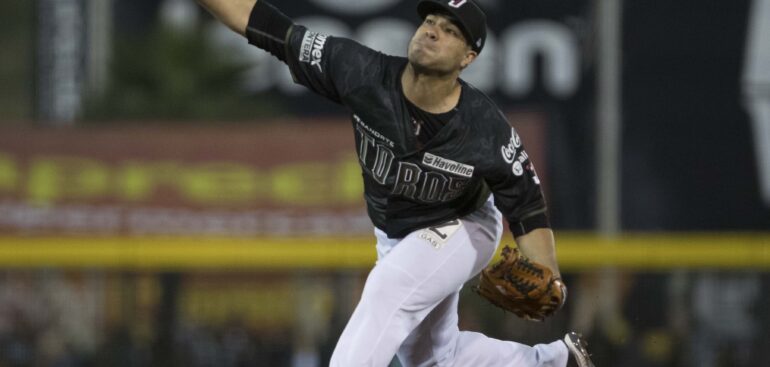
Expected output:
{"points": [[576, 251], [278, 195]]}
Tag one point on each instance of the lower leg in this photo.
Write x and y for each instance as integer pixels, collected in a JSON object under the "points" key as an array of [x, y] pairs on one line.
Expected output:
{"points": [[476, 349]]}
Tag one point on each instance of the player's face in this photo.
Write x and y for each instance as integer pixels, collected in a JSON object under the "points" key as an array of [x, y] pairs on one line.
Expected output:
{"points": [[439, 45]]}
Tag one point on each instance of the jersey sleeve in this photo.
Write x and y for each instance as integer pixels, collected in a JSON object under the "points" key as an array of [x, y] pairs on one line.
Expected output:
{"points": [[514, 183], [330, 66]]}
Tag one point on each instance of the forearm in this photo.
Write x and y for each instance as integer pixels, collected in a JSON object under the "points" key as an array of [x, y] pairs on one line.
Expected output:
{"points": [[540, 246], [232, 13]]}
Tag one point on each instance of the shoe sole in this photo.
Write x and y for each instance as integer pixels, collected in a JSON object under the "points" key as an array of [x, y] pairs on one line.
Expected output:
{"points": [[578, 350]]}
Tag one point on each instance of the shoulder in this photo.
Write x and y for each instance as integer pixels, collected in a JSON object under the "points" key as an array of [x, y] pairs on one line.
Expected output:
{"points": [[365, 62], [488, 127], [481, 112]]}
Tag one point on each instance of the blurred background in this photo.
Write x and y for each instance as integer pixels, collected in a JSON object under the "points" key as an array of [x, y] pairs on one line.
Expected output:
{"points": [[168, 197]]}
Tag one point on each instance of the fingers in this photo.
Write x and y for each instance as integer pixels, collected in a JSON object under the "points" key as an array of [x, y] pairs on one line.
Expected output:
{"points": [[532, 317], [549, 309]]}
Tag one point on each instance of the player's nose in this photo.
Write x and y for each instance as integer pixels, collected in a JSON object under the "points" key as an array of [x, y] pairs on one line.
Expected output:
{"points": [[431, 34]]}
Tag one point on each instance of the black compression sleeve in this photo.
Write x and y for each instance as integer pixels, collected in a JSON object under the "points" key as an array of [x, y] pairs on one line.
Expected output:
{"points": [[539, 220], [268, 29]]}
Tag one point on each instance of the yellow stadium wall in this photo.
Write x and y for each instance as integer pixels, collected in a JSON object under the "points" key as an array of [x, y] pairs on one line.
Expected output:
{"points": [[576, 251]]}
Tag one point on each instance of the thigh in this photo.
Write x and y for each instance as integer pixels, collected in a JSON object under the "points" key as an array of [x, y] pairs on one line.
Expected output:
{"points": [[399, 294], [440, 259], [434, 339], [413, 276]]}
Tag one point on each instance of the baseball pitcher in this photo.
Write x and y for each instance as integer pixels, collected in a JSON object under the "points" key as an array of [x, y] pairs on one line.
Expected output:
{"points": [[441, 168]]}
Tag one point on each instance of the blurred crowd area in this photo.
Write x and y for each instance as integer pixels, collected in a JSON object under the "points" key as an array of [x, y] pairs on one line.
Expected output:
{"points": [[96, 318]]}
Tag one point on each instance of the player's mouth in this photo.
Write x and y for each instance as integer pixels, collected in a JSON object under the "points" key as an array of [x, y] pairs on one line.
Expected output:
{"points": [[424, 45]]}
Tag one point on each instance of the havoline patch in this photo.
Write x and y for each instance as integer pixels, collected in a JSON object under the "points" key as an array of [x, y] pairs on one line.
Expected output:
{"points": [[447, 165]]}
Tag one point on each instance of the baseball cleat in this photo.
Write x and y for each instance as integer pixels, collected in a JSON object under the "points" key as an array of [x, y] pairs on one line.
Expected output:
{"points": [[577, 349]]}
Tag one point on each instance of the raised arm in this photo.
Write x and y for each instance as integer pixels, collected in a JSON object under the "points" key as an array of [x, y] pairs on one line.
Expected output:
{"points": [[233, 13], [329, 66]]}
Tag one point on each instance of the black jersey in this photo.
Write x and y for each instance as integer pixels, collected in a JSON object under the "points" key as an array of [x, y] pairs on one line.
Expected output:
{"points": [[408, 185], [426, 125]]}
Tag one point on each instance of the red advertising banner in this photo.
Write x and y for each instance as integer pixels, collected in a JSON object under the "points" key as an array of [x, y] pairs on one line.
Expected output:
{"points": [[278, 178]]}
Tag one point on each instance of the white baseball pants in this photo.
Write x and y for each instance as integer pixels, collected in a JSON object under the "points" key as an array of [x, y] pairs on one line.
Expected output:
{"points": [[409, 303]]}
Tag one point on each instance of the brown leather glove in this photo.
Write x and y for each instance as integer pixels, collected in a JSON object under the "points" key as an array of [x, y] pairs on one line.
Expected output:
{"points": [[519, 285]]}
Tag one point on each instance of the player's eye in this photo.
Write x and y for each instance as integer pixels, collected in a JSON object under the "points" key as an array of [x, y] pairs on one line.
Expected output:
{"points": [[429, 21]]}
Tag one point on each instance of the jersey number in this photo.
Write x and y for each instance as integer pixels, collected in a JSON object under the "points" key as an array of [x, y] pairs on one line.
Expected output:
{"points": [[446, 229]]}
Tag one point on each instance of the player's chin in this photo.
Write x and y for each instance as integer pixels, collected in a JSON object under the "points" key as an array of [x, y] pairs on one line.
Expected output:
{"points": [[426, 63]]}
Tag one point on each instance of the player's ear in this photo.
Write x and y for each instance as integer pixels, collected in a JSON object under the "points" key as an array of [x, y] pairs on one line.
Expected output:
{"points": [[470, 55]]}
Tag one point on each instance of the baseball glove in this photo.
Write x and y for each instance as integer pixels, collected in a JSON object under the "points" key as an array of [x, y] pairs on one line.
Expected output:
{"points": [[519, 285]]}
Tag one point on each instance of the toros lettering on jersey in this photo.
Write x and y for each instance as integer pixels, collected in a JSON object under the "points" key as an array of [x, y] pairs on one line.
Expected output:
{"points": [[412, 181], [375, 156], [430, 187]]}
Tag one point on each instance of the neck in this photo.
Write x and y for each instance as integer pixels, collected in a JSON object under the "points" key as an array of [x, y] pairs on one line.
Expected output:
{"points": [[430, 92]]}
